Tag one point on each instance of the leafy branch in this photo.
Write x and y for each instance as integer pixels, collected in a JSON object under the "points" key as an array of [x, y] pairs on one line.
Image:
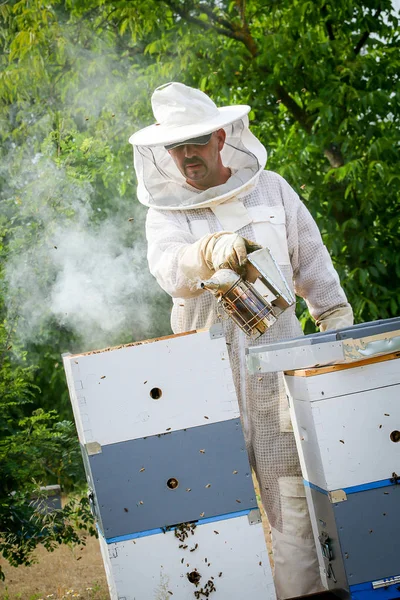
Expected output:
{"points": [[243, 35], [363, 39]]}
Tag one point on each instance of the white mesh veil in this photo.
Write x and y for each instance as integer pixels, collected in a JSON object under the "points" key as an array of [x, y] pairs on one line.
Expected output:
{"points": [[161, 185]]}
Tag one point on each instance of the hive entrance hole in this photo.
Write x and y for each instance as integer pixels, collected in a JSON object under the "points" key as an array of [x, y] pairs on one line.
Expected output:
{"points": [[155, 393], [395, 436], [194, 577], [172, 483]]}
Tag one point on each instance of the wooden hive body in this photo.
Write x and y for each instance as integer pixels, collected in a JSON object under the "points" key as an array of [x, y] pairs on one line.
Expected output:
{"points": [[163, 446]]}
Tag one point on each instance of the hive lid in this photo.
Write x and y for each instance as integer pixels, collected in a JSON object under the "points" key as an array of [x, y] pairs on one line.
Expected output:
{"points": [[343, 345]]}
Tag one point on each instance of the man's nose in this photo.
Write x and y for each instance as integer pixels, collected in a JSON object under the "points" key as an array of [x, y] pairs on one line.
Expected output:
{"points": [[189, 150]]}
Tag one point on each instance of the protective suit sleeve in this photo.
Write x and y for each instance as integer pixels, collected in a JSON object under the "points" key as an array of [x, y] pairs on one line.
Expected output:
{"points": [[168, 237], [315, 278]]}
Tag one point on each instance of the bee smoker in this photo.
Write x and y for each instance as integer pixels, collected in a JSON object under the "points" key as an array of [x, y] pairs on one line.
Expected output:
{"points": [[256, 302]]}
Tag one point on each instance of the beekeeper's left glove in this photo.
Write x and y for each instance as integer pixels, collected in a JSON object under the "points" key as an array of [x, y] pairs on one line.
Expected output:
{"points": [[336, 318]]}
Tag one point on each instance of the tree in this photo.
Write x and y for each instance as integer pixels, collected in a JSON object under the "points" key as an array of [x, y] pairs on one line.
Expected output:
{"points": [[322, 79], [33, 449], [57, 181]]}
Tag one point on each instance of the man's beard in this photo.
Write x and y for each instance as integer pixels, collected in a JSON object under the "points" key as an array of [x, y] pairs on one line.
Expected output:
{"points": [[193, 160]]}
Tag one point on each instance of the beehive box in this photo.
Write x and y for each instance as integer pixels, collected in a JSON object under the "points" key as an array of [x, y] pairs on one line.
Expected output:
{"points": [[167, 467], [346, 419]]}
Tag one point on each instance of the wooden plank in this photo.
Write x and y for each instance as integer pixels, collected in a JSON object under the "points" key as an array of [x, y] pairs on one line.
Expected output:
{"points": [[354, 349], [343, 366], [345, 382], [140, 343]]}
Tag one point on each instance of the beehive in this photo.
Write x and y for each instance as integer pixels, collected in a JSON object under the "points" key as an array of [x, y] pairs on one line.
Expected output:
{"points": [[346, 419], [167, 467]]}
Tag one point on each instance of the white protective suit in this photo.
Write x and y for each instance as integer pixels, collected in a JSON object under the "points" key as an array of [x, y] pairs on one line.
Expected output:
{"points": [[271, 214]]}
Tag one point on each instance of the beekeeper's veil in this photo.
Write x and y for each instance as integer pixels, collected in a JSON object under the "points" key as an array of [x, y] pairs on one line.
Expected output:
{"points": [[183, 113]]}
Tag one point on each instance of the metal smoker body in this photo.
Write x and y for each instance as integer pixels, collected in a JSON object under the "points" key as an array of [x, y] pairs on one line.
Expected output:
{"points": [[256, 302]]}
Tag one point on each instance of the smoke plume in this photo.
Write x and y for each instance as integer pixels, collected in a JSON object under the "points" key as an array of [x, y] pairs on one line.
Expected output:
{"points": [[72, 267]]}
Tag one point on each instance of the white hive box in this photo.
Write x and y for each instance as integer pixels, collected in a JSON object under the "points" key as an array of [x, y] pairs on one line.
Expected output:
{"points": [[230, 556], [346, 419], [162, 443]]}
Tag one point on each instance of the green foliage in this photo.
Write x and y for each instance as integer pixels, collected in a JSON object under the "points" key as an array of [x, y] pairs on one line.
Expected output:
{"points": [[321, 78], [65, 174], [34, 450], [24, 527]]}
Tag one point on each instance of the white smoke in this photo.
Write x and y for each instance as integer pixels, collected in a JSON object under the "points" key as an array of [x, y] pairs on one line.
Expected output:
{"points": [[98, 281], [76, 253], [68, 266]]}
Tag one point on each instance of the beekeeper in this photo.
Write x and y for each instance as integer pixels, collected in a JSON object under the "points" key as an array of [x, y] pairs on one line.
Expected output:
{"points": [[201, 173]]}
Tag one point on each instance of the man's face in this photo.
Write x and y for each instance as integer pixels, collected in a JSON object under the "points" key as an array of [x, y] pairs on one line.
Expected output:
{"points": [[201, 164]]}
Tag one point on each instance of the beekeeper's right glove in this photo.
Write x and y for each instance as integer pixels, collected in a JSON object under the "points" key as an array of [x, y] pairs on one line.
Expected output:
{"points": [[222, 250]]}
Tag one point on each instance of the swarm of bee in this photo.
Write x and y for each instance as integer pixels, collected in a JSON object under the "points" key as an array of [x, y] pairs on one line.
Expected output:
{"points": [[206, 590], [182, 533]]}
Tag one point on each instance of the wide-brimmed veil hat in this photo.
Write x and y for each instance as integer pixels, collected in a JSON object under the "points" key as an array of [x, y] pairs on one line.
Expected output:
{"points": [[183, 113]]}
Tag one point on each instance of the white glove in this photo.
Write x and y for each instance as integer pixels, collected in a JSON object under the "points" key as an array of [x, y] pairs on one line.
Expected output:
{"points": [[222, 250], [229, 251], [336, 319]]}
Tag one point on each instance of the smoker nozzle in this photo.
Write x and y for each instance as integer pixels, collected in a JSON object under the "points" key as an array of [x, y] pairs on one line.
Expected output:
{"points": [[221, 281], [210, 285]]}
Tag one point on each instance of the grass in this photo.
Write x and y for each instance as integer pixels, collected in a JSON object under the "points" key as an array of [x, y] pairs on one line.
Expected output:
{"points": [[67, 574], [94, 592]]}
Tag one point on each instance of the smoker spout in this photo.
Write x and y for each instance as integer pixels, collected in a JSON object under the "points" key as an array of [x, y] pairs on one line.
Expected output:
{"points": [[210, 285], [221, 281]]}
